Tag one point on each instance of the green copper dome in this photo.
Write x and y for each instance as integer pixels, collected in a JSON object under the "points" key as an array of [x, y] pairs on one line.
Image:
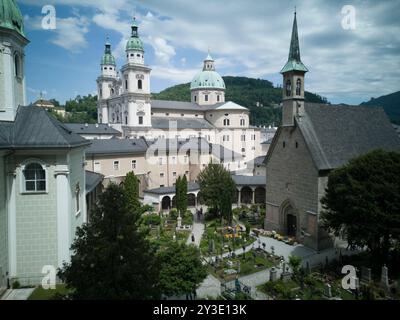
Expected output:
{"points": [[207, 80], [134, 42], [11, 17], [108, 58]]}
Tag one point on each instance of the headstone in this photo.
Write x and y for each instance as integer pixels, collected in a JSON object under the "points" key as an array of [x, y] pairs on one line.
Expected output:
{"points": [[286, 276], [328, 290], [273, 274], [366, 274], [385, 277]]}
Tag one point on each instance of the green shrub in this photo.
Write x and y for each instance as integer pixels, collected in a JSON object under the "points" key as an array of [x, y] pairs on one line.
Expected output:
{"points": [[16, 284], [173, 214], [152, 219]]}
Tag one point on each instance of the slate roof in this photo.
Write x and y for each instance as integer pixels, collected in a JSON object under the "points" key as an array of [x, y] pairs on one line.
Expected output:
{"points": [[181, 123], [199, 145], [249, 180], [35, 128], [117, 146], [335, 134], [177, 105], [259, 161], [180, 105], [192, 186], [85, 128], [93, 179]]}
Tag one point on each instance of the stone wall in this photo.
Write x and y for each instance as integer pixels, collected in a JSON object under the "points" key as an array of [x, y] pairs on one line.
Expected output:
{"points": [[293, 179]]}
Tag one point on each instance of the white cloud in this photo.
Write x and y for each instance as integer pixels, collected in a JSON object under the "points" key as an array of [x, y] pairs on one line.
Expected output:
{"points": [[163, 51], [253, 40]]}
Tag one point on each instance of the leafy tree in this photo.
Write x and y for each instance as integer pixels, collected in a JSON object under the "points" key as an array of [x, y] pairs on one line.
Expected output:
{"points": [[362, 202], [218, 189], [131, 188], [112, 257], [181, 195], [181, 269]]}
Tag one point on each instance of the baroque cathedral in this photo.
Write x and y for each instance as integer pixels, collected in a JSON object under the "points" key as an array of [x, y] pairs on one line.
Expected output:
{"points": [[125, 104]]}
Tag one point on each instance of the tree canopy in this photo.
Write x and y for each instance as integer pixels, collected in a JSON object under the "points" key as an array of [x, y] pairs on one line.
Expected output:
{"points": [[362, 202], [181, 269], [112, 258], [217, 189]]}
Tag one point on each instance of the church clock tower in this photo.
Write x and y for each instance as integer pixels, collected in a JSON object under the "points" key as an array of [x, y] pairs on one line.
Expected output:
{"points": [[293, 81], [12, 56], [135, 84]]}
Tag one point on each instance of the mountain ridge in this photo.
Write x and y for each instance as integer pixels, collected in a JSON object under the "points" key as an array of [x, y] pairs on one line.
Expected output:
{"points": [[258, 95]]}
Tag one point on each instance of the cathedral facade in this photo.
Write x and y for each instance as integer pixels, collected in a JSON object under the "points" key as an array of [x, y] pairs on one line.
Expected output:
{"points": [[125, 104]]}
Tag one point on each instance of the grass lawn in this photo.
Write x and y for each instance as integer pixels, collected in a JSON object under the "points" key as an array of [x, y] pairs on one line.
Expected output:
{"points": [[41, 294], [213, 232], [313, 289], [248, 265]]}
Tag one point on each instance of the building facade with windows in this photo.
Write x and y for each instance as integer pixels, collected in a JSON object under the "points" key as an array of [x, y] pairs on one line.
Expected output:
{"points": [[42, 177], [125, 103]]}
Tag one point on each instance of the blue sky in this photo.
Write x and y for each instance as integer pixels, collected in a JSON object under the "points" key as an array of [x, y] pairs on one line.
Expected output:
{"points": [[247, 38]]}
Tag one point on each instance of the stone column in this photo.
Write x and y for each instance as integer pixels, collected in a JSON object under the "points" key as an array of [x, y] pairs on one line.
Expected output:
{"points": [[253, 200], [239, 196], [12, 224], [63, 214]]}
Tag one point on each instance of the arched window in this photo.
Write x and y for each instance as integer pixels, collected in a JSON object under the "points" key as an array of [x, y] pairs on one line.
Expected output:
{"points": [[126, 84], [195, 98], [206, 97], [288, 88], [17, 66], [112, 92], [242, 122], [298, 87], [218, 98], [226, 122], [140, 84], [34, 178], [140, 120]]}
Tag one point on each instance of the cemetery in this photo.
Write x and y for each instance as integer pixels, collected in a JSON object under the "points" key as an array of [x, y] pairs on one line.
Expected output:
{"points": [[228, 268]]}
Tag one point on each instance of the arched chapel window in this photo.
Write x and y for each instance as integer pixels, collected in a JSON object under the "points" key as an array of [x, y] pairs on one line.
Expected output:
{"points": [[288, 88], [298, 87]]}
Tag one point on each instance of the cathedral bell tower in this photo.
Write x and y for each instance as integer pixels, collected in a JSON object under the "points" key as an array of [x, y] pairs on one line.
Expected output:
{"points": [[135, 84], [106, 83], [12, 56], [293, 81]]}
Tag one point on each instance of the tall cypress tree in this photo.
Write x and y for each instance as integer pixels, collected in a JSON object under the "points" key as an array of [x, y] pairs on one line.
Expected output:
{"points": [[131, 189]]}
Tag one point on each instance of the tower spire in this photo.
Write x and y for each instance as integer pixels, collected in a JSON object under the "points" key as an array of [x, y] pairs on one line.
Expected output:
{"points": [[294, 52], [294, 61]]}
